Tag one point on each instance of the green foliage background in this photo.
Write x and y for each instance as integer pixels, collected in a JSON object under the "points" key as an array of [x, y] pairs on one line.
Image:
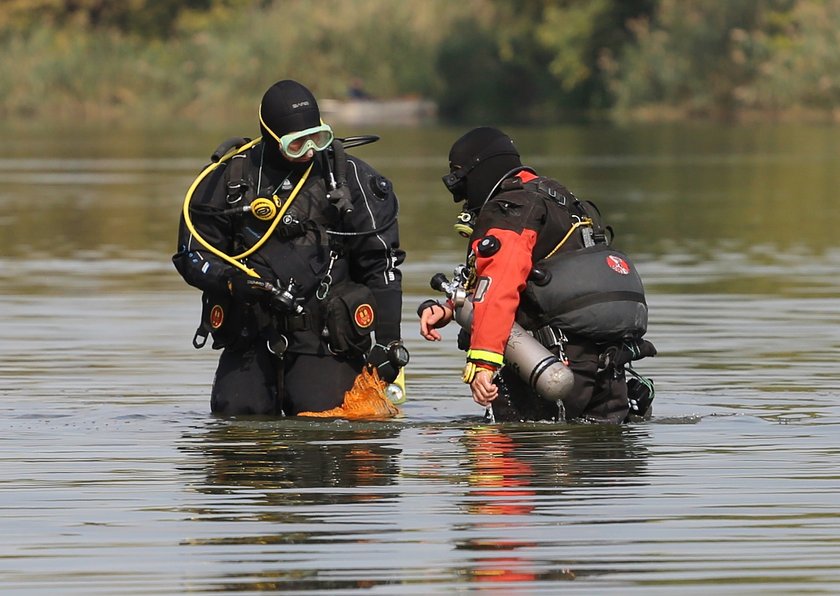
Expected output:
{"points": [[506, 61]]}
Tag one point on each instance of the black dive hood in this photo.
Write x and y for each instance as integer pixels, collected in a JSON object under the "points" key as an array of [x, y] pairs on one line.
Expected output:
{"points": [[477, 162], [287, 106]]}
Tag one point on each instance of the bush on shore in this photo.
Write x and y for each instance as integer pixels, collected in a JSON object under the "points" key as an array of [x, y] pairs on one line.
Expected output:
{"points": [[522, 61]]}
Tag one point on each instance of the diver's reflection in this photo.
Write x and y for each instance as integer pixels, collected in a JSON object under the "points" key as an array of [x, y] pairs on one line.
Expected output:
{"points": [[520, 472], [282, 456], [291, 476]]}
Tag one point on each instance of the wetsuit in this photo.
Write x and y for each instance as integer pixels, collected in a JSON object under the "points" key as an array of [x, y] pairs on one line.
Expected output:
{"points": [[517, 228], [274, 360]]}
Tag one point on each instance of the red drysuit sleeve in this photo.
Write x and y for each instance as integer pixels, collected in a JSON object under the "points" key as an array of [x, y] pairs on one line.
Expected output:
{"points": [[500, 277]]}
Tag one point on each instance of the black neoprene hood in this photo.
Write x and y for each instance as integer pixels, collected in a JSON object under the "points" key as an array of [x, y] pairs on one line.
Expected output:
{"points": [[287, 107], [477, 162]]}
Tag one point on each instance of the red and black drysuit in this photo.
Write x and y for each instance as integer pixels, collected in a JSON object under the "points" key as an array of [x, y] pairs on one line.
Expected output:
{"points": [[517, 227]]}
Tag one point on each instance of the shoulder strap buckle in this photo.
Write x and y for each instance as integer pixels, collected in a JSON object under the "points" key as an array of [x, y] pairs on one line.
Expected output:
{"points": [[235, 178]]}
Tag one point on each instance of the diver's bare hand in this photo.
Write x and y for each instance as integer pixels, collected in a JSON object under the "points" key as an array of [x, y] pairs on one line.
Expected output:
{"points": [[483, 389], [432, 318]]}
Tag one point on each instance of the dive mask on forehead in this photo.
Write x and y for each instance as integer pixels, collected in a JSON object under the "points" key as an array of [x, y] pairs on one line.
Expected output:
{"points": [[297, 143]]}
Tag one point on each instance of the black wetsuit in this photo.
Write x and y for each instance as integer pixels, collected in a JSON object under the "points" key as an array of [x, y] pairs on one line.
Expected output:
{"points": [[318, 245]]}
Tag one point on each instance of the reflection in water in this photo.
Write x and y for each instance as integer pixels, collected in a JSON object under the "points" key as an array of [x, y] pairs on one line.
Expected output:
{"points": [[514, 473], [290, 473], [277, 461], [335, 495]]}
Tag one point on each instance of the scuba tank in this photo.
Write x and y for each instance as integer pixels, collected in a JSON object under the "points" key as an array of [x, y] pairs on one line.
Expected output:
{"points": [[544, 372]]}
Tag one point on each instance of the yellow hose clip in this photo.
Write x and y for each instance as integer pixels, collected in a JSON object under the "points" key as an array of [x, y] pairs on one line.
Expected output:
{"points": [[470, 370], [465, 224]]}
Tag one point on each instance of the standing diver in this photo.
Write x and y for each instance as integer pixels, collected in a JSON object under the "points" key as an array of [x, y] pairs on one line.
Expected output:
{"points": [[295, 246], [540, 270]]}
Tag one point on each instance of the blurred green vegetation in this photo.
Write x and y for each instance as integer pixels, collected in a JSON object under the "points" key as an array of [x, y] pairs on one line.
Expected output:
{"points": [[501, 61]]}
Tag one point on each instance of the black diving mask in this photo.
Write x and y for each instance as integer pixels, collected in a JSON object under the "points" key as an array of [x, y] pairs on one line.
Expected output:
{"points": [[456, 183]]}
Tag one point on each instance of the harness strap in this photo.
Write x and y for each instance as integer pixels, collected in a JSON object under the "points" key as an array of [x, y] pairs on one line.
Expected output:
{"points": [[275, 341], [340, 162], [235, 178], [586, 212], [201, 333], [554, 339], [209, 306], [339, 193], [293, 228]]}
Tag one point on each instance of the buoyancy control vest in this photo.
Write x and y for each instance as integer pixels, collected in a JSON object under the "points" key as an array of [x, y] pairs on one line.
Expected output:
{"points": [[582, 285], [298, 254]]}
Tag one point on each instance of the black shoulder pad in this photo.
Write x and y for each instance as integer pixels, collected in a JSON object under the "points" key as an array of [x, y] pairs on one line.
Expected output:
{"points": [[512, 183], [556, 191], [226, 146]]}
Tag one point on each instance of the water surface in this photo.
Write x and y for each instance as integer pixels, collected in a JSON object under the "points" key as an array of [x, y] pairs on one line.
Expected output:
{"points": [[116, 479]]}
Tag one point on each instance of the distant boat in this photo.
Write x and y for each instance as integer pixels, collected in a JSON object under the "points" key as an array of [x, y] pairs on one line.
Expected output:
{"points": [[379, 111]]}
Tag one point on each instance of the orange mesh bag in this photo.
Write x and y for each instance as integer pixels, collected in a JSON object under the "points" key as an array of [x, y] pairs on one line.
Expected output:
{"points": [[365, 400]]}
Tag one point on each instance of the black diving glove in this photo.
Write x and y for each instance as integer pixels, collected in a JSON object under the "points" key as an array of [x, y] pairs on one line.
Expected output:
{"points": [[388, 360], [249, 289], [619, 356], [641, 348]]}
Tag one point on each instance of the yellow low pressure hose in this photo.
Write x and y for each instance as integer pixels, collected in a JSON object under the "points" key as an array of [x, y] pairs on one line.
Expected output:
{"points": [[278, 217], [583, 222], [228, 258]]}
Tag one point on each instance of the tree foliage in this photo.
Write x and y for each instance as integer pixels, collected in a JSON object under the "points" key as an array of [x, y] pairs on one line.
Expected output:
{"points": [[698, 56], [145, 18], [529, 60], [505, 61]]}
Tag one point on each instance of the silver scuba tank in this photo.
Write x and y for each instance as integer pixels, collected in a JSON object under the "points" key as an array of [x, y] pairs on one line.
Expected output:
{"points": [[544, 372]]}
